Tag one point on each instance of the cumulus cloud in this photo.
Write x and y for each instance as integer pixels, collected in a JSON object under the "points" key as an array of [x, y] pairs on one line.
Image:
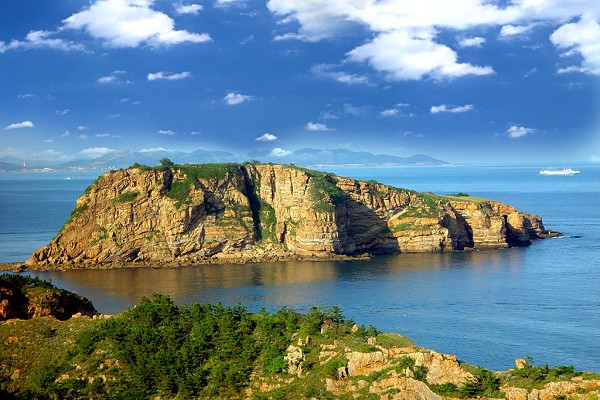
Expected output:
{"points": [[279, 152], [94, 152], [62, 112], [267, 137], [328, 71], [40, 40], [317, 127], [83, 127], [167, 132], [517, 131], [19, 125], [444, 108], [403, 37], [233, 98], [181, 9], [402, 57], [477, 41], [582, 38], [130, 23], [168, 76]]}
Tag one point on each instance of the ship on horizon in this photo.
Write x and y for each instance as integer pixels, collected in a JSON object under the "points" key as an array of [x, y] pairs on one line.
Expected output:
{"points": [[562, 172]]}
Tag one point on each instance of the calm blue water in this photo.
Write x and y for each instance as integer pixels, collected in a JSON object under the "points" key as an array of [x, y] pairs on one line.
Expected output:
{"points": [[487, 307]]}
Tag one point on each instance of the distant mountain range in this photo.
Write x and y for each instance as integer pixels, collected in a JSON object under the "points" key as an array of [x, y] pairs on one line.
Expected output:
{"points": [[305, 157]]}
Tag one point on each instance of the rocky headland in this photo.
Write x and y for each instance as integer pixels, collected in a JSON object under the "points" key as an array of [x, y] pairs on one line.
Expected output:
{"points": [[160, 350], [221, 213]]}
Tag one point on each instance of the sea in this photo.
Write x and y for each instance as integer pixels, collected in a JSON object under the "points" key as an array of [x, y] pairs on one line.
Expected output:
{"points": [[487, 307]]}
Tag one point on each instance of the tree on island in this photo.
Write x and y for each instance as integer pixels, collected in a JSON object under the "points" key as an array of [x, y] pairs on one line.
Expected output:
{"points": [[165, 162]]}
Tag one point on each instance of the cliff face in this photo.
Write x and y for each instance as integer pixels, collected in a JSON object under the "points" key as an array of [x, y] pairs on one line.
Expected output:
{"points": [[234, 213]]}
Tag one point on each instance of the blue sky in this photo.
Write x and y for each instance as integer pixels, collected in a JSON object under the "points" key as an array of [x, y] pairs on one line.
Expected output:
{"points": [[468, 81]]}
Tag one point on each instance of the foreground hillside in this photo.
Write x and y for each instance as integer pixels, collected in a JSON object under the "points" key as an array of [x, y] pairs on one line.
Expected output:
{"points": [[158, 350], [185, 214]]}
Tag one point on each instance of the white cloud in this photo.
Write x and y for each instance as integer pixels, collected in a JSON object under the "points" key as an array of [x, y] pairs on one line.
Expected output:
{"points": [[230, 3], [166, 132], [402, 56], [233, 99], [153, 150], [327, 71], [510, 31], [195, 133], [181, 9], [317, 127], [107, 79], [40, 40], [82, 137], [168, 76], [66, 134], [94, 152], [62, 112], [83, 127], [267, 137], [583, 38], [279, 152], [48, 141], [390, 112], [19, 125], [444, 108], [289, 36], [130, 23], [26, 96], [517, 131], [477, 41], [403, 36]]}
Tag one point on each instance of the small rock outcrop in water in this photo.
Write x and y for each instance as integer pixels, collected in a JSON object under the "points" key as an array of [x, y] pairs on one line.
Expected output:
{"points": [[24, 297], [175, 215]]}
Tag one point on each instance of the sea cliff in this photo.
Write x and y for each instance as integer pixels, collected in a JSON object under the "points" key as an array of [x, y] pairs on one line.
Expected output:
{"points": [[217, 213]]}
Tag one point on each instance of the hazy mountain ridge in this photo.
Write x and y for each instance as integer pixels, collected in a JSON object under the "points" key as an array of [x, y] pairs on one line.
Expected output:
{"points": [[308, 157]]}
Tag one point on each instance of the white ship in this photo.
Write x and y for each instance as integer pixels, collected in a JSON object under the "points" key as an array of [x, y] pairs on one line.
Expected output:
{"points": [[563, 172]]}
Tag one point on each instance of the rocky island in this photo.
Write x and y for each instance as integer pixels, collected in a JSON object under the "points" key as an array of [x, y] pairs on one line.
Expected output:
{"points": [[234, 213]]}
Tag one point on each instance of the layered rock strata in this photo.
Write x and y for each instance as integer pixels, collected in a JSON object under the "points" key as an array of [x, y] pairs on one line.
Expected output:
{"points": [[238, 213]]}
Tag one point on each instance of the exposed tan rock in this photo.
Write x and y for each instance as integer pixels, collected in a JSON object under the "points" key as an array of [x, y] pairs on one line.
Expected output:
{"points": [[365, 363], [513, 393], [294, 358], [408, 388], [520, 363], [442, 368], [191, 214]]}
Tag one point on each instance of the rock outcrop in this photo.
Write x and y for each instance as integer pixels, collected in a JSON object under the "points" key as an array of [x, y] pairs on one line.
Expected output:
{"points": [[238, 213], [24, 297]]}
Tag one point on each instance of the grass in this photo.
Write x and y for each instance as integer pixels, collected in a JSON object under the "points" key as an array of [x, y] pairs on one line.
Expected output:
{"points": [[465, 198], [125, 197], [324, 192]]}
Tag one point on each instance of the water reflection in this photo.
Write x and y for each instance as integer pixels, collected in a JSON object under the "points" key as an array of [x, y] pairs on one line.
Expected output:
{"points": [[116, 289]]}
